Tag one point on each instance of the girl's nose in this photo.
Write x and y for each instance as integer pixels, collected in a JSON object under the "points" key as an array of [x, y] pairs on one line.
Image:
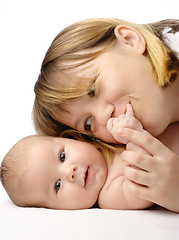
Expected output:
{"points": [[71, 172], [103, 112]]}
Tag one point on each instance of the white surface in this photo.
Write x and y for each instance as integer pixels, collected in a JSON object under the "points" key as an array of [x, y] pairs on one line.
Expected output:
{"points": [[94, 224]]}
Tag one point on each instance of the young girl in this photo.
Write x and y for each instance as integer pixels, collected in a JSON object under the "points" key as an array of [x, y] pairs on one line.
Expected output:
{"points": [[92, 70]]}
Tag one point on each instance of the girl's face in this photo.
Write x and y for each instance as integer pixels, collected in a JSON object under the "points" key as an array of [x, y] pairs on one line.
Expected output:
{"points": [[124, 75], [62, 173]]}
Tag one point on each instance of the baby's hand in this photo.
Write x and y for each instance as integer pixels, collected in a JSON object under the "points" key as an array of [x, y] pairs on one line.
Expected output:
{"points": [[126, 120]]}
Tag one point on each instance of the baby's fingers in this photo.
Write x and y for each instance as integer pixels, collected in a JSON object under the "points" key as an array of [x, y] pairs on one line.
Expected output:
{"points": [[110, 124], [129, 112]]}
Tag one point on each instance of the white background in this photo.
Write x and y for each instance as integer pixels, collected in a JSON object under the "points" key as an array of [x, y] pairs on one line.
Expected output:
{"points": [[27, 28]]}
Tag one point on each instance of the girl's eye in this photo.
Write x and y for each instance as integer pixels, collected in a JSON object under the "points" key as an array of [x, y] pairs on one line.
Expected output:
{"points": [[87, 125], [62, 156], [58, 185], [91, 92]]}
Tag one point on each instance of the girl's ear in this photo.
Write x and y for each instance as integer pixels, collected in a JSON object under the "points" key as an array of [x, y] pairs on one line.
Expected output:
{"points": [[131, 37]]}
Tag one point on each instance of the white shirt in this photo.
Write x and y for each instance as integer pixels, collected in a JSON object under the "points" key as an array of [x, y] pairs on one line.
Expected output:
{"points": [[172, 40]]}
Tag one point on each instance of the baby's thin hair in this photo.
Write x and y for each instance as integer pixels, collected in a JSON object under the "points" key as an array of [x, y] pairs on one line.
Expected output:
{"points": [[9, 173], [12, 168]]}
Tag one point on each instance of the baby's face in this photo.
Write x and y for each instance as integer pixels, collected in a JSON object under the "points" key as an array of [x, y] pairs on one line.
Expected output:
{"points": [[62, 173]]}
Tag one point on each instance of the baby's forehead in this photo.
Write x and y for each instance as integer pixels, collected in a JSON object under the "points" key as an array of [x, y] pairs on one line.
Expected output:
{"points": [[21, 149], [23, 145]]}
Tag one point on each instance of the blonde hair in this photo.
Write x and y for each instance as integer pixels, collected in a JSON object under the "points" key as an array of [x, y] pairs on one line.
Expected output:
{"points": [[107, 150], [54, 86]]}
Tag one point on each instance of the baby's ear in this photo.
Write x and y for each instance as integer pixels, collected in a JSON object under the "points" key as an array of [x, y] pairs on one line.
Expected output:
{"points": [[130, 37]]}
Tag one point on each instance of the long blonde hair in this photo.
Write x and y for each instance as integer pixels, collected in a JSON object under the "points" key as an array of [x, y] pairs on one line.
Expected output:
{"points": [[107, 150], [54, 84]]}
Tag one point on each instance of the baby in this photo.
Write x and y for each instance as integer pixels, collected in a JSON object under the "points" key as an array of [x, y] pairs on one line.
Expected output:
{"points": [[63, 173]]}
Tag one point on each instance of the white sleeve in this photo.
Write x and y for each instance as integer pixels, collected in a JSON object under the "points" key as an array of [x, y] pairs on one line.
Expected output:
{"points": [[172, 40]]}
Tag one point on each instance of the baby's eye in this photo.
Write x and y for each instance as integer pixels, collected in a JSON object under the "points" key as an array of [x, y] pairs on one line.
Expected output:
{"points": [[91, 92], [58, 185], [62, 156], [87, 125]]}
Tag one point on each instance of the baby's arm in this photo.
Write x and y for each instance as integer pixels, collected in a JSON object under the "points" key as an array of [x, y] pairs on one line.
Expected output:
{"points": [[117, 196], [126, 120], [115, 193]]}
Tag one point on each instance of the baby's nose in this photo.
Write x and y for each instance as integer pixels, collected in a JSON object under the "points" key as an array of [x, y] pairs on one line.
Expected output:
{"points": [[71, 172]]}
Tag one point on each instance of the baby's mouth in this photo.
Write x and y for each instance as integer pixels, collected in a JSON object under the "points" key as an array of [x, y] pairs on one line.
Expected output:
{"points": [[86, 175]]}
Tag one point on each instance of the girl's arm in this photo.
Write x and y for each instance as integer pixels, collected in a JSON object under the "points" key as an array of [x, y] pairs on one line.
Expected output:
{"points": [[153, 177], [153, 173]]}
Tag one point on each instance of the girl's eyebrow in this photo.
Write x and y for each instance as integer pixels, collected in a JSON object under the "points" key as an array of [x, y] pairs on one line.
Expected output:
{"points": [[92, 80], [95, 77]]}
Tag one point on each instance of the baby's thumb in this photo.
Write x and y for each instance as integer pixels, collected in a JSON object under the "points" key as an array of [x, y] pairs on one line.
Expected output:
{"points": [[110, 124]]}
